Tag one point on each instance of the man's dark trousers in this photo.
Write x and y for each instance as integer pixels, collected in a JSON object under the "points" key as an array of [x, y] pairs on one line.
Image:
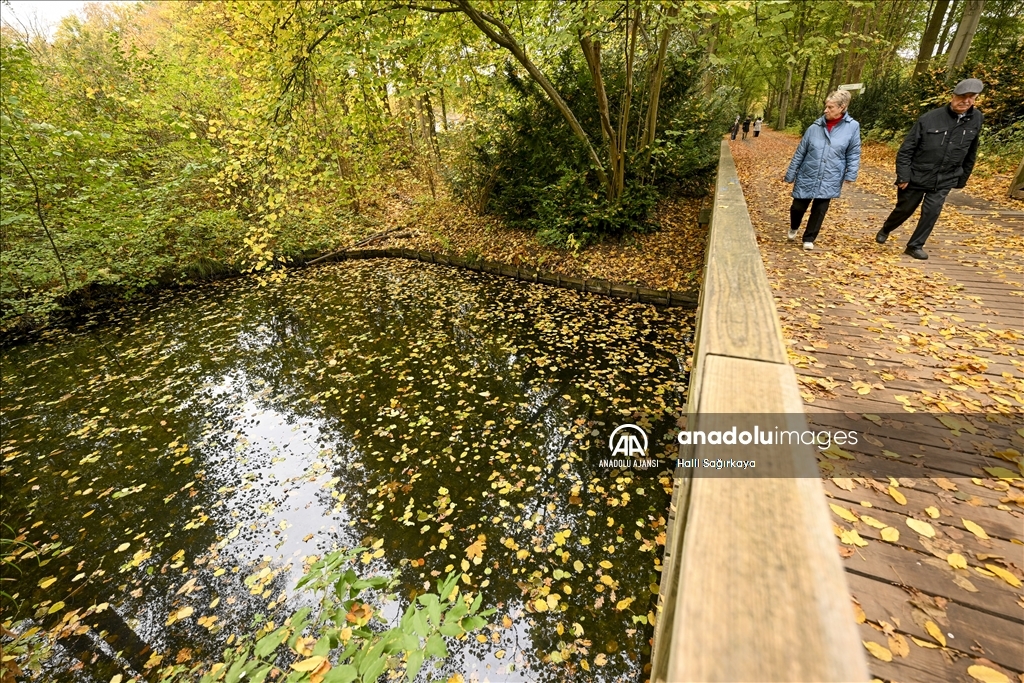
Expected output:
{"points": [[907, 202]]}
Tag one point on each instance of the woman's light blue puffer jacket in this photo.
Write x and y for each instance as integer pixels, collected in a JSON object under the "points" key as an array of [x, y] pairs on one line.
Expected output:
{"points": [[824, 160]]}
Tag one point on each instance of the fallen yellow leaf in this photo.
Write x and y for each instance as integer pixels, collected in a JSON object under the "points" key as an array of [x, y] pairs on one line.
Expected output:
{"points": [[878, 651], [974, 528], [898, 644], [935, 632], [924, 643], [985, 674], [932, 511], [843, 512], [923, 528], [956, 561], [890, 534], [311, 664], [871, 521], [897, 496], [1004, 575]]}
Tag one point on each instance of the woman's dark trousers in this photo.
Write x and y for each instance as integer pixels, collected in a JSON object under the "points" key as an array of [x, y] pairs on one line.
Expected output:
{"points": [[818, 211], [907, 201]]}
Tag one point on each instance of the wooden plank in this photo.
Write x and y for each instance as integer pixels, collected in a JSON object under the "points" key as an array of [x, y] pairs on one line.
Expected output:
{"points": [[740, 318], [900, 566], [1000, 640], [765, 597]]}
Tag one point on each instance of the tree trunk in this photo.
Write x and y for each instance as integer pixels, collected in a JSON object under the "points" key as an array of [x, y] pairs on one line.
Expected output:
{"points": [[803, 82], [620, 172], [950, 20], [592, 53], [964, 35], [444, 111], [784, 98], [650, 127], [931, 34]]}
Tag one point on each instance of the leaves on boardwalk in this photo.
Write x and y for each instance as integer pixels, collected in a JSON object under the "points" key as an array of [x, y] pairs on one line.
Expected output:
{"points": [[872, 333]]}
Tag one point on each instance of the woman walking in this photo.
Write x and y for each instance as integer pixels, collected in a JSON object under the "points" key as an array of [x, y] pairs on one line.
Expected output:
{"points": [[757, 126], [828, 154], [746, 127]]}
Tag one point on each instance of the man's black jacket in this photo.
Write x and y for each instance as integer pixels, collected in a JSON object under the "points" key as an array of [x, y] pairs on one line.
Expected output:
{"points": [[939, 151]]}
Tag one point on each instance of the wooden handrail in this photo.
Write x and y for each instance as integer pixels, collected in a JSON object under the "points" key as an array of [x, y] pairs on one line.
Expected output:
{"points": [[752, 585]]}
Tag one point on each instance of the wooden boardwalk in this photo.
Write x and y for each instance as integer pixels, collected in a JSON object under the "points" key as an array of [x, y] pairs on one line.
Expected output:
{"points": [[875, 333]]}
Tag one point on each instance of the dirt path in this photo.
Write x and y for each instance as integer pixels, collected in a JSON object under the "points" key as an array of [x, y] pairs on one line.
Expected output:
{"points": [[876, 336]]}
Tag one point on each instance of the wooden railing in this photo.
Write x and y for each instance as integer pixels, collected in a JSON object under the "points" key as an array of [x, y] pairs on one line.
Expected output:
{"points": [[752, 587]]}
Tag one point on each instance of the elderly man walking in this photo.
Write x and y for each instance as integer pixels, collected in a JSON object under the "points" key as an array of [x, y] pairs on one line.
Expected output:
{"points": [[937, 155]]}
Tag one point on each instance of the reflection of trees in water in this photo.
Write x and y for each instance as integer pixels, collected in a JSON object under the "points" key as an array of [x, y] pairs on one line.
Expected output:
{"points": [[384, 340]]}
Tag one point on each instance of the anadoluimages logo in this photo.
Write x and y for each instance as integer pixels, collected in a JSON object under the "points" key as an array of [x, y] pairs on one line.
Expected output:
{"points": [[628, 443]]}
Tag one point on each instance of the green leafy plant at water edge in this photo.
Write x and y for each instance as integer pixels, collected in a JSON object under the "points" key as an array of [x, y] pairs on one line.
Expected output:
{"points": [[343, 639]]}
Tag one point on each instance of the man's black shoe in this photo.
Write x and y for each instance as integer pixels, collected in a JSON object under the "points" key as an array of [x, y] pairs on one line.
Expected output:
{"points": [[881, 236], [916, 252]]}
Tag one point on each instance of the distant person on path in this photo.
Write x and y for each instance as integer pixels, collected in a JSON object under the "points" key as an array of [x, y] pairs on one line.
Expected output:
{"points": [[937, 155], [828, 154], [746, 127], [735, 127], [757, 126]]}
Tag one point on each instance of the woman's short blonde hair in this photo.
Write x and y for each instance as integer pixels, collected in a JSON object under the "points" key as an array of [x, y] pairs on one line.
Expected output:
{"points": [[840, 97]]}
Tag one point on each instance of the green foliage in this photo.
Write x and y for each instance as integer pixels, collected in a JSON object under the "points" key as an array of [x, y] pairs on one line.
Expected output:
{"points": [[349, 641], [891, 105], [523, 163]]}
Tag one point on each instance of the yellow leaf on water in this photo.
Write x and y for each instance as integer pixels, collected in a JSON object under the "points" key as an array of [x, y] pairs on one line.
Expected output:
{"points": [[974, 528], [601, 659], [500, 654], [985, 674], [605, 564], [56, 607], [311, 664], [923, 528], [121, 548], [932, 511], [117, 678], [47, 582], [540, 605], [577, 565], [935, 632], [1004, 575], [897, 496], [956, 561], [623, 604], [890, 534], [878, 651], [843, 512]]}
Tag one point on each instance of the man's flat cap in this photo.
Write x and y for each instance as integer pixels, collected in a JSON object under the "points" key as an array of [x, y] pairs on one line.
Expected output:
{"points": [[968, 85]]}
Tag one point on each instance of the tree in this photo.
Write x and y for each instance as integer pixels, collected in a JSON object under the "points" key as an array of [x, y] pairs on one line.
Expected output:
{"points": [[930, 35], [964, 35]]}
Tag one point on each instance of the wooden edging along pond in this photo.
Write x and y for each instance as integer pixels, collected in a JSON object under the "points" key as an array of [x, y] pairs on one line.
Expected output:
{"points": [[658, 297], [752, 587]]}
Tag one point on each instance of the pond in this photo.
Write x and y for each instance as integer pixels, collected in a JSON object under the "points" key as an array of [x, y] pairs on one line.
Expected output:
{"points": [[184, 459]]}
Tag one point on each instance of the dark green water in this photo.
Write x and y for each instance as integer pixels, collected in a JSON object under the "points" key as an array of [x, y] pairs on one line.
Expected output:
{"points": [[204, 436]]}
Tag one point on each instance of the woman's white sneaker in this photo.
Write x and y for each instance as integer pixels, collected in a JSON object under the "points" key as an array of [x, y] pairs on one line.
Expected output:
{"points": [[808, 246], [792, 235]]}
